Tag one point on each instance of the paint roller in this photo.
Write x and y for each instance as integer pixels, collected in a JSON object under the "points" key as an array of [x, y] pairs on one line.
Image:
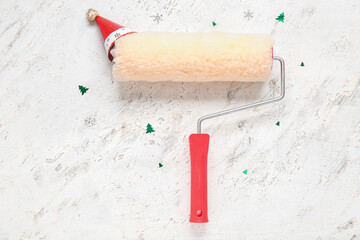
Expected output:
{"points": [[189, 57]]}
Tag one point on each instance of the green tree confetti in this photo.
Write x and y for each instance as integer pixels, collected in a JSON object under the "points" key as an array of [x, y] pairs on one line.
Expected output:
{"points": [[280, 18], [149, 128], [302, 64], [160, 165], [245, 172], [83, 89], [214, 24], [278, 123]]}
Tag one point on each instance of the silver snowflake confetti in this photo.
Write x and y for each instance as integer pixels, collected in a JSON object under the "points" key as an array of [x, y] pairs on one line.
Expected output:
{"points": [[248, 15], [89, 121], [157, 17]]}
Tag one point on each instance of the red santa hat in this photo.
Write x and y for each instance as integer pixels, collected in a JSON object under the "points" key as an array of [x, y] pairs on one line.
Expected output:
{"points": [[109, 30]]}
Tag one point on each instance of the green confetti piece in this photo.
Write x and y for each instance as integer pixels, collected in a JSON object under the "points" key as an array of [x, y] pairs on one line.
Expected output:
{"points": [[83, 89], [160, 165], [245, 172], [214, 24], [149, 128], [302, 64], [278, 123], [280, 18]]}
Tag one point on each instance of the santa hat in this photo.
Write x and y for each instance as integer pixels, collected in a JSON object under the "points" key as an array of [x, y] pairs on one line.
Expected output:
{"points": [[109, 30]]}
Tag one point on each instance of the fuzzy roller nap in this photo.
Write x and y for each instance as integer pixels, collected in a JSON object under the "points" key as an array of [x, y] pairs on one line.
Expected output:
{"points": [[202, 57]]}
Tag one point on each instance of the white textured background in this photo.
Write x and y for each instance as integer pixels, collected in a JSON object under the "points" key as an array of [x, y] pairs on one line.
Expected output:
{"points": [[82, 167]]}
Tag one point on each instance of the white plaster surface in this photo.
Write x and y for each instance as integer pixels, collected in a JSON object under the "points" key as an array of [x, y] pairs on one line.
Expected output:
{"points": [[82, 167]]}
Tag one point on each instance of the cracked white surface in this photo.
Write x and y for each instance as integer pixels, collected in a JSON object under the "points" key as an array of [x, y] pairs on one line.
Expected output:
{"points": [[82, 167]]}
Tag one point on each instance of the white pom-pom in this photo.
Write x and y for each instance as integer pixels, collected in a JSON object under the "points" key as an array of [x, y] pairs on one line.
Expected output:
{"points": [[92, 14]]}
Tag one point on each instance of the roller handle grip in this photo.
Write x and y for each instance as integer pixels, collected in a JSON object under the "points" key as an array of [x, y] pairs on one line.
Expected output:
{"points": [[199, 146]]}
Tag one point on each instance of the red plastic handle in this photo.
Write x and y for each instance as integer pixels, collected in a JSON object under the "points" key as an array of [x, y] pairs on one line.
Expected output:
{"points": [[199, 146]]}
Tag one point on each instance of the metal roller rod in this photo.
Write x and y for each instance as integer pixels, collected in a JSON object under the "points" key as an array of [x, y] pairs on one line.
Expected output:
{"points": [[218, 114]]}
